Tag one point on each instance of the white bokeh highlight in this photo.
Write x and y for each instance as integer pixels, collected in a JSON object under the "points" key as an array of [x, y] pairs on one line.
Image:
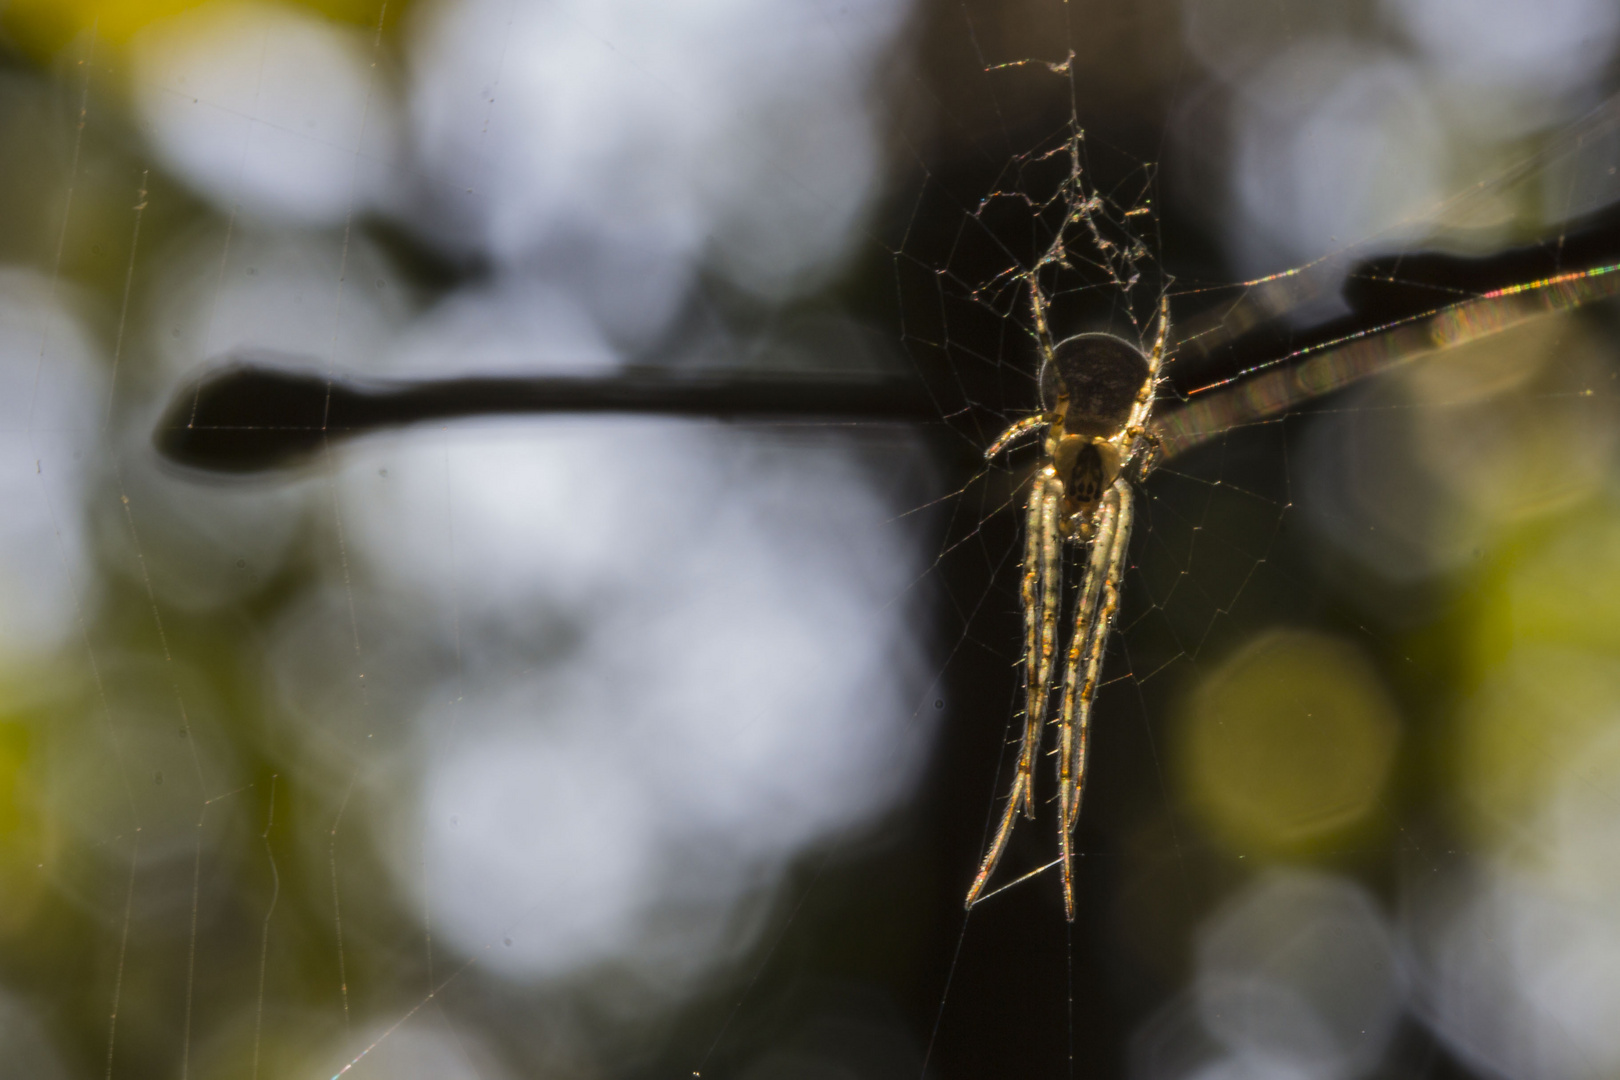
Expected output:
{"points": [[1341, 141], [52, 407], [1297, 977], [1550, 47], [1333, 148], [1519, 957], [267, 108], [682, 653], [616, 145]]}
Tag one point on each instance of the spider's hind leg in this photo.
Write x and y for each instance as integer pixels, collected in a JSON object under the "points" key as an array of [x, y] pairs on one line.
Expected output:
{"points": [[1041, 592], [1093, 618]]}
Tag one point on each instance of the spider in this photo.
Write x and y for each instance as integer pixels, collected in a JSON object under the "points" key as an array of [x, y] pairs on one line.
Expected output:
{"points": [[1101, 435], [1097, 392]]}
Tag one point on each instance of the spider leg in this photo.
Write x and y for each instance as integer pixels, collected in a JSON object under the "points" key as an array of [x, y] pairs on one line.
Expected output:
{"points": [[1041, 593], [1136, 425], [1161, 340], [1094, 616], [1071, 743], [1041, 637], [1015, 432]]}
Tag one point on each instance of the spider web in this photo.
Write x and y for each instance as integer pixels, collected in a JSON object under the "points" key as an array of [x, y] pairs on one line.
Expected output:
{"points": [[1274, 540], [594, 746], [1076, 221]]}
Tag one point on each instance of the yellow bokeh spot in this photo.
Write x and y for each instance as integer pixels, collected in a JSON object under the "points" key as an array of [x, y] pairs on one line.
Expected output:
{"points": [[1543, 652], [1525, 729], [45, 26], [1288, 744], [21, 838], [1560, 586]]}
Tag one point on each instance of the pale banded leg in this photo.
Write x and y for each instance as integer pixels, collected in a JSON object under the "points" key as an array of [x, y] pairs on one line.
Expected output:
{"points": [[1017, 431], [1038, 690], [1041, 593], [1093, 619]]}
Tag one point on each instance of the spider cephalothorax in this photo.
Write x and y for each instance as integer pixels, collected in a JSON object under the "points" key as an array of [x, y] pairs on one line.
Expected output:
{"points": [[1096, 396]]}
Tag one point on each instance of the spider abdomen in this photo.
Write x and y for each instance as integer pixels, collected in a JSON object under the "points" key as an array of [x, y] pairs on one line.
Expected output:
{"points": [[1093, 380]]}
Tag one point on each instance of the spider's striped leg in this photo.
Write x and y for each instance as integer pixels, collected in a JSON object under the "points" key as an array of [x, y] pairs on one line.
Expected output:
{"points": [[1093, 620], [1140, 445], [1040, 594], [1041, 608], [1017, 431], [1071, 744]]}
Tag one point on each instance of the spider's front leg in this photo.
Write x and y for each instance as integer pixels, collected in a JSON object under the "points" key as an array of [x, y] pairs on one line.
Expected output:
{"points": [[1016, 431], [1093, 619]]}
